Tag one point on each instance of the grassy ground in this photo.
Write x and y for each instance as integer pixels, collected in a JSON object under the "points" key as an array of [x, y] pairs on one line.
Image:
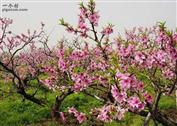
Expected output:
{"points": [[16, 112]]}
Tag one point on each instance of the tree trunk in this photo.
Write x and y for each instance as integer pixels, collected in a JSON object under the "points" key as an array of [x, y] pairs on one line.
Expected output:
{"points": [[164, 119], [31, 97], [56, 107]]}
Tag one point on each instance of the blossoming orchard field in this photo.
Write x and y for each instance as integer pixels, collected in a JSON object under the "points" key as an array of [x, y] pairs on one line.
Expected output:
{"points": [[95, 80]]}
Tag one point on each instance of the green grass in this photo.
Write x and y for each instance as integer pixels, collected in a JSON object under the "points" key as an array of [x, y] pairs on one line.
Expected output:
{"points": [[167, 102], [16, 112], [81, 102]]}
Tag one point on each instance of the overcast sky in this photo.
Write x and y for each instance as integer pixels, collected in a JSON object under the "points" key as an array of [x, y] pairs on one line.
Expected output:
{"points": [[123, 14]]}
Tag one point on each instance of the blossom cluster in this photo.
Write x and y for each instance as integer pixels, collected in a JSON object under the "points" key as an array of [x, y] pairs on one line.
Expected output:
{"points": [[128, 83], [110, 112], [79, 115], [155, 48], [81, 81], [87, 15]]}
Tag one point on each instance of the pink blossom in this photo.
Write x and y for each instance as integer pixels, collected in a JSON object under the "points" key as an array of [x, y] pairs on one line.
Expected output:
{"points": [[140, 57], [78, 55], [94, 65], [81, 117], [126, 52], [118, 96], [125, 80], [135, 103], [50, 82], [62, 65], [108, 30], [148, 98], [81, 81], [60, 53], [130, 34], [161, 56], [82, 26], [120, 113], [62, 116], [169, 74], [114, 90], [83, 11], [150, 61], [161, 37], [103, 115], [94, 18], [49, 70], [125, 83], [144, 39], [140, 86], [109, 112], [122, 76], [141, 106], [72, 110]]}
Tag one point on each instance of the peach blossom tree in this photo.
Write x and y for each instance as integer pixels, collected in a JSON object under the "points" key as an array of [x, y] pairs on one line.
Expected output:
{"points": [[127, 74]]}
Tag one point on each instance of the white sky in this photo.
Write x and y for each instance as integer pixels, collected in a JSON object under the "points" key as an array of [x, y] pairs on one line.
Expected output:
{"points": [[123, 14]]}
